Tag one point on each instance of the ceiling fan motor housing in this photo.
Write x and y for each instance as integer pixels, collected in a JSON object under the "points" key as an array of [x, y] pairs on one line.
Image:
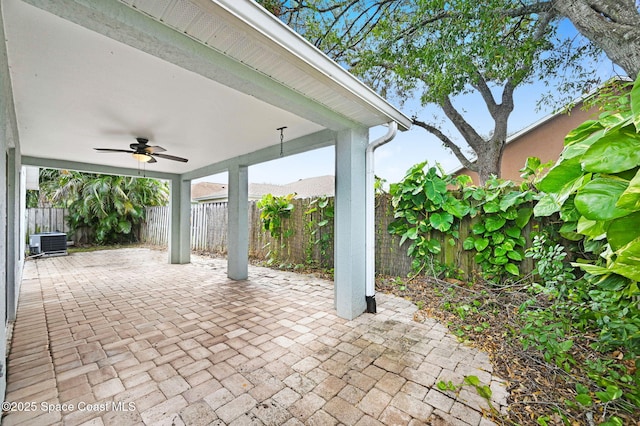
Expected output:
{"points": [[140, 146]]}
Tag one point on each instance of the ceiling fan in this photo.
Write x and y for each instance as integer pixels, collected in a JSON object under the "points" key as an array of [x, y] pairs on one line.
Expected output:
{"points": [[144, 153]]}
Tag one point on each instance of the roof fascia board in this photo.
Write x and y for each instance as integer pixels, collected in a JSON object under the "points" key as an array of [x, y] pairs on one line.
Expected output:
{"points": [[299, 145], [49, 163], [269, 29], [124, 24]]}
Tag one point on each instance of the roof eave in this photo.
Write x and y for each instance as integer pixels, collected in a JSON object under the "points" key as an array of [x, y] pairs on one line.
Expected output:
{"points": [[269, 29]]}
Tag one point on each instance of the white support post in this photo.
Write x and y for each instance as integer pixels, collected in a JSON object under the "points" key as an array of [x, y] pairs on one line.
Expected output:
{"points": [[180, 221], [9, 160], [349, 245], [14, 257], [238, 230]]}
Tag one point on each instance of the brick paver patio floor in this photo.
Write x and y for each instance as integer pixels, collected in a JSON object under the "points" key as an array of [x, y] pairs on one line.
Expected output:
{"points": [[121, 337]]}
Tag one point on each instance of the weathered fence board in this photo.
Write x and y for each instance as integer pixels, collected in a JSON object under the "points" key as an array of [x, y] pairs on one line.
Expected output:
{"points": [[155, 228], [46, 220], [307, 244]]}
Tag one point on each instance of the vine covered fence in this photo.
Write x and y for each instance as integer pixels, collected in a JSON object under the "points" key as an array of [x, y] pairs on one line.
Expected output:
{"points": [[307, 242]]}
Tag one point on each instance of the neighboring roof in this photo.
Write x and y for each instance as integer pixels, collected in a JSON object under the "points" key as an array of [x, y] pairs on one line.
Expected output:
{"points": [[204, 189], [303, 188]]}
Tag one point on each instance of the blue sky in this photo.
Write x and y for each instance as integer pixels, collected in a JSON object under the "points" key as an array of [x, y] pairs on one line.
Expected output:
{"points": [[416, 145]]}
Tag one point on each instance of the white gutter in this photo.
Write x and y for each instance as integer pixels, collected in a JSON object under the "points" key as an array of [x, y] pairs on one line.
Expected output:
{"points": [[370, 225]]}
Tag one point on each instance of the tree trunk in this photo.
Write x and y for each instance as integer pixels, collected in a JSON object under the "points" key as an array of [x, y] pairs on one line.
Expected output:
{"points": [[612, 25], [489, 159]]}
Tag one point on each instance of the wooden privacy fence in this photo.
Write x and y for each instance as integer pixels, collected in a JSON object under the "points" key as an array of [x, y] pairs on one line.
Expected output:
{"points": [[209, 228], [46, 220], [155, 228], [308, 243]]}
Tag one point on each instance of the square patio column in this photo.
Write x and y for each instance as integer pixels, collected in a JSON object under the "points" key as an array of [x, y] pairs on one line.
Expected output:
{"points": [[349, 223], [238, 223], [9, 160], [15, 258], [180, 221]]}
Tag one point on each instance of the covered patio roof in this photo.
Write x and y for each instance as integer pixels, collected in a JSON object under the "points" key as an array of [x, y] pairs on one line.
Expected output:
{"points": [[210, 81]]}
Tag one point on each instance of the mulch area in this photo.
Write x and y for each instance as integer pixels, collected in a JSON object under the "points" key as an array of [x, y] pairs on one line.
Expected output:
{"points": [[487, 318]]}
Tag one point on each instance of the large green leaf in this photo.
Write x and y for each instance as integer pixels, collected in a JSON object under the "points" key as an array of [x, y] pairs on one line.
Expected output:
{"points": [[623, 230], [582, 132], [434, 188], [578, 148], [546, 206], [561, 175], [455, 207], [499, 251], [627, 263], [591, 269], [594, 229], [615, 119], [441, 221], [493, 223], [524, 214], [630, 198], [480, 243], [618, 150], [635, 104], [511, 199], [433, 246], [468, 243], [513, 231], [478, 228], [491, 206], [597, 199], [124, 227], [515, 255]]}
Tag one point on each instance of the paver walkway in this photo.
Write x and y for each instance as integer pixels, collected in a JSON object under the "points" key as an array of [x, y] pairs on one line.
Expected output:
{"points": [[121, 338]]}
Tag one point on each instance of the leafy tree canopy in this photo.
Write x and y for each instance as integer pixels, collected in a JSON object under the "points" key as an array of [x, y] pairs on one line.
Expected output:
{"points": [[434, 50]]}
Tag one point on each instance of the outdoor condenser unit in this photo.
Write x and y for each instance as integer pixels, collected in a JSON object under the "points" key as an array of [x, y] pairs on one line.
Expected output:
{"points": [[46, 243]]}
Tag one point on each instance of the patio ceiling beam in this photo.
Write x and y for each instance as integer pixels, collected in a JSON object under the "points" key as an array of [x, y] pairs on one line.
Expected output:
{"points": [[120, 22], [49, 163], [316, 140]]}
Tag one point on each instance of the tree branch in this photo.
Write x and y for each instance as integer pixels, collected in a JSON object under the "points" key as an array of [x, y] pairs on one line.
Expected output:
{"points": [[617, 12], [468, 132], [482, 87], [362, 31], [507, 95], [447, 143], [529, 9]]}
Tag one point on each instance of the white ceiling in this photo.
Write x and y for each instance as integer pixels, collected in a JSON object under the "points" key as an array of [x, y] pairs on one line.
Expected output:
{"points": [[76, 89]]}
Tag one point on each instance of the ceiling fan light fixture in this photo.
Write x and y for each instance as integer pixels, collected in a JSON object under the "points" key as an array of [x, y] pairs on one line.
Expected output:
{"points": [[143, 158]]}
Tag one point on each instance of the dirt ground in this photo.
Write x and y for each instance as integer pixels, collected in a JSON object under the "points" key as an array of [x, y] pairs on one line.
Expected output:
{"points": [[487, 318]]}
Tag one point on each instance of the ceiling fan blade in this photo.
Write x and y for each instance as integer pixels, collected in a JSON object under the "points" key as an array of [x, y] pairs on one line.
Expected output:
{"points": [[152, 160], [112, 150], [154, 149], [170, 157]]}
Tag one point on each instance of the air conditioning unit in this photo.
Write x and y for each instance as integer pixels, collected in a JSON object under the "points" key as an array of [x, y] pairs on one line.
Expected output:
{"points": [[48, 243]]}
